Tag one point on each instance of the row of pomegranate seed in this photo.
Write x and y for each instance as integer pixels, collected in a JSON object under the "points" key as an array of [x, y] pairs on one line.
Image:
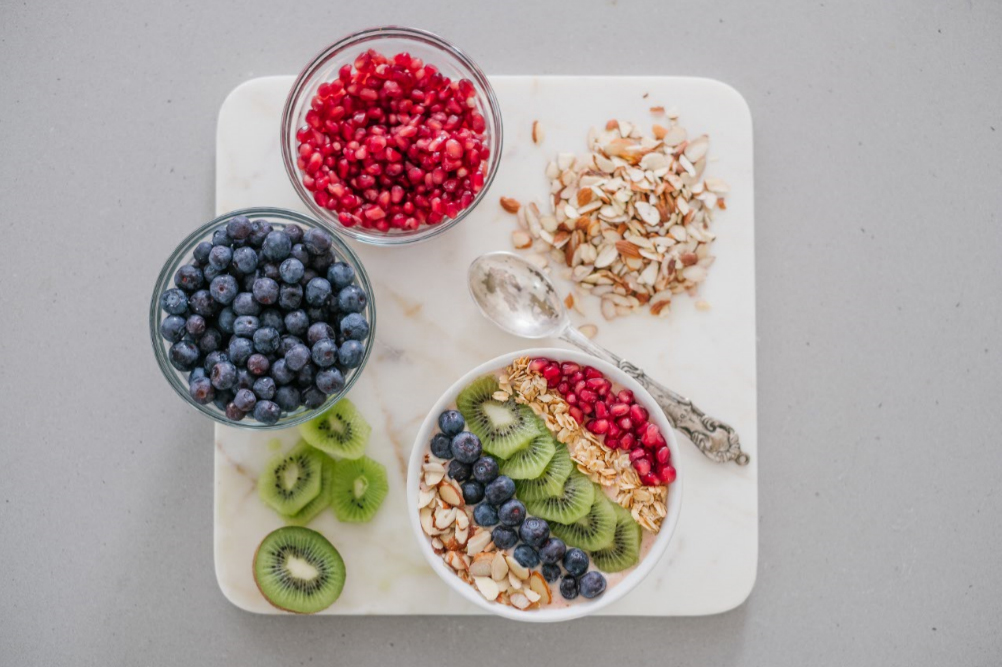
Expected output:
{"points": [[615, 416]]}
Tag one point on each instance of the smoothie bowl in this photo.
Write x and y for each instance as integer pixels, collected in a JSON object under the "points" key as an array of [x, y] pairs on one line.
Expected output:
{"points": [[542, 485]]}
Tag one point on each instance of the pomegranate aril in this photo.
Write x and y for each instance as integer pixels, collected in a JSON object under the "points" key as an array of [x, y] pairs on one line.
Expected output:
{"points": [[667, 475], [638, 413], [586, 395], [611, 442], [627, 441], [601, 410], [537, 365], [597, 426], [591, 373], [619, 410], [568, 368], [642, 465], [663, 454], [637, 453], [563, 388], [576, 413], [625, 396], [650, 479]]}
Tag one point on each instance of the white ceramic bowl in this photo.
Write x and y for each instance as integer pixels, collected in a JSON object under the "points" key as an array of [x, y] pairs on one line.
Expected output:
{"points": [[584, 607]]}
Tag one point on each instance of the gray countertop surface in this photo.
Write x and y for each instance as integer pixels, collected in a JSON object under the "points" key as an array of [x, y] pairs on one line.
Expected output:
{"points": [[878, 139]]}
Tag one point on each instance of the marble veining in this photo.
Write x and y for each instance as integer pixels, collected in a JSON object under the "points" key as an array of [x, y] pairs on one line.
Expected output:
{"points": [[429, 333]]}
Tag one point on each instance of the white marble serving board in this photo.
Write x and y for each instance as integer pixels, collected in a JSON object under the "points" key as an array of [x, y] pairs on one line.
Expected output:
{"points": [[429, 333]]}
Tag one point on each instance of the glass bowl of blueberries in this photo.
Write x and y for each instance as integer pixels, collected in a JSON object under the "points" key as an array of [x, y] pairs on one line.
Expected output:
{"points": [[262, 318]]}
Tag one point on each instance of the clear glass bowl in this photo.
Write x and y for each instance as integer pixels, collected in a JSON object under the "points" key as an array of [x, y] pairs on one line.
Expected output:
{"points": [[278, 218], [389, 41]]}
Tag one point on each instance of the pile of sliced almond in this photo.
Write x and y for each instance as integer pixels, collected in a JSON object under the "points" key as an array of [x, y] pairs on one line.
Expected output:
{"points": [[631, 219], [468, 548]]}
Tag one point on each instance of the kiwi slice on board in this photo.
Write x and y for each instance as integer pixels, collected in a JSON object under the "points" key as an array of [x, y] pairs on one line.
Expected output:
{"points": [[503, 427], [358, 488], [322, 501], [298, 570], [573, 503], [529, 463], [340, 432], [594, 530], [551, 482], [624, 552], [291, 480]]}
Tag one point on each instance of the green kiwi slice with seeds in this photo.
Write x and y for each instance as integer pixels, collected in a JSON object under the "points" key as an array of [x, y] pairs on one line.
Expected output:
{"points": [[595, 530], [322, 501], [298, 570], [529, 463], [291, 480], [551, 482], [340, 432], [624, 552], [503, 427], [573, 502], [358, 488]]}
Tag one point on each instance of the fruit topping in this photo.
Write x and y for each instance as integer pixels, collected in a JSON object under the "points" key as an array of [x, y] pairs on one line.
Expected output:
{"points": [[298, 570]]}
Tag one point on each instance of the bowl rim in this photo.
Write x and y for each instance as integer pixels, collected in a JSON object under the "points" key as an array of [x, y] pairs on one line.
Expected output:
{"points": [[302, 84], [613, 594], [175, 260]]}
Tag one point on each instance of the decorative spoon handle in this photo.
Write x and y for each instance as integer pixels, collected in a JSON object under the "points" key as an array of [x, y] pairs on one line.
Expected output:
{"points": [[718, 441]]}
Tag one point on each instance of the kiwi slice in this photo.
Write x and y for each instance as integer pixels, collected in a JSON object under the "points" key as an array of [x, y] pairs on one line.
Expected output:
{"points": [[340, 432], [298, 570], [503, 427], [322, 501], [624, 552], [573, 502], [551, 482], [358, 489], [529, 463], [291, 480], [594, 530]]}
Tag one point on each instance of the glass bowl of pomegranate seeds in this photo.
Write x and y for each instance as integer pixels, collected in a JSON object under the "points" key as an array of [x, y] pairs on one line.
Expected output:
{"points": [[391, 135], [262, 318], [530, 487]]}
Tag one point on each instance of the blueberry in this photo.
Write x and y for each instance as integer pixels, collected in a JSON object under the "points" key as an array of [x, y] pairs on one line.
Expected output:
{"points": [[224, 375], [246, 325], [512, 513], [183, 355], [201, 391], [324, 353], [239, 349], [201, 252], [295, 233], [277, 246], [500, 490], [450, 421], [591, 584], [202, 303], [576, 561], [351, 353], [441, 446], [569, 587], [354, 327], [196, 372], [210, 341], [308, 275], [296, 322], [485, 470], [351, 299], [195, 325], [320, 263], [247, 282], [267, 340], [318, 314], [317, 241], [244, 399], [313, 398], [280, 371], [288, 342], [267, 412], [551, 572], [526, 556], [223, 289], [223, 398], [174, 301], [244, 304], [290, 296], [259, 232], [233, 413], [213, 358], [288, 398], [485, 515], [220, 257], [226, 319], [466, 447], [473, 492], [534, 531], [209, 272], [172, 328], [300, 253], [329, 381], [189, 278], [271, 317], [265, 291], [264, 388], [291, 271], [305, 376], [318, 291], [553, 550], [270, 270], [340, 275], [297, 357], [221, 238], [239, 227], [244, 379], [504, 538], [245, 260], [459, 471], [258, 364], [317, 331]]}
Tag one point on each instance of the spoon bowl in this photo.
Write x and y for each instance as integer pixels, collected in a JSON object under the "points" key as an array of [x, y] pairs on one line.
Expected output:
{"points": [[517, 296]]}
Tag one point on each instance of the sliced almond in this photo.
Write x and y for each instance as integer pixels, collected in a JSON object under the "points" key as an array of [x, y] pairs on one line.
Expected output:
{"points": [[454, 559], [520, 571], [589, 330], [499, 566], [531, 594], [462, 534], [444, 518], [515, 582], [537, 133], [462, 520], [450, 494], [521, 239], [425, 497], [519, 601], [427, 521], [539, 586], [478, 542], [481, 565], [510, 205], [487, 587]]}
